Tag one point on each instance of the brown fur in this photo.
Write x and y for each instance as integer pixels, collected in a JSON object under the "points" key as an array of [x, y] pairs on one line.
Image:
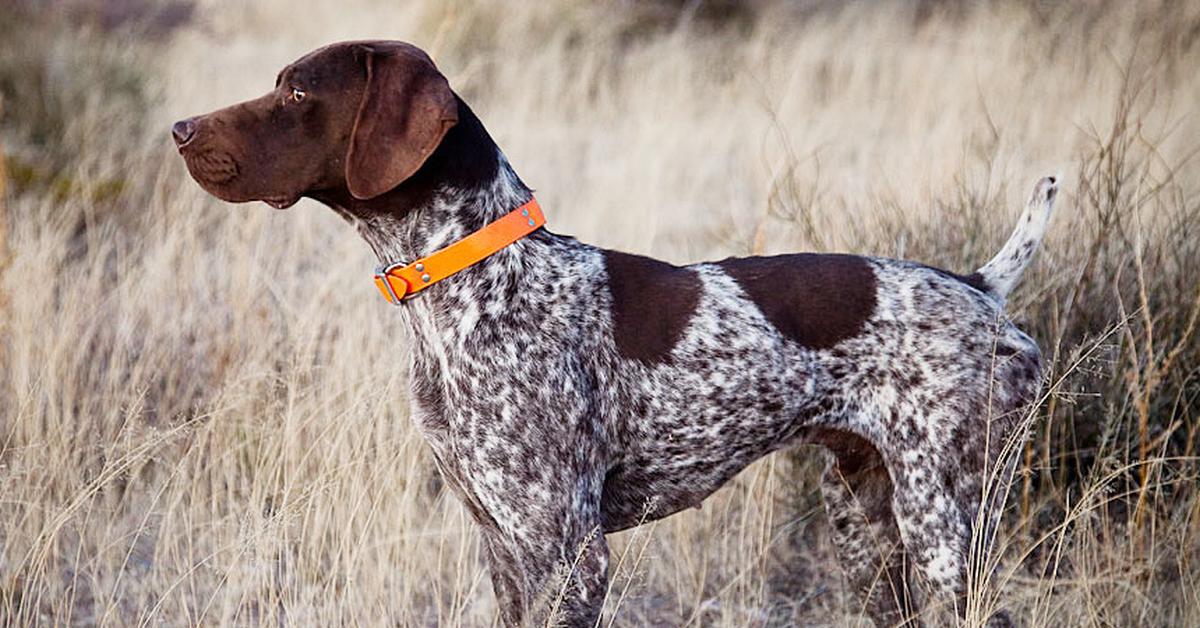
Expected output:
{"points": [[816, 300], [652, 302]]}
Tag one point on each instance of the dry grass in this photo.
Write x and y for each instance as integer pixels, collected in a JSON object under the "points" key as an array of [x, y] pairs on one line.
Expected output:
{"points": [[203, 413]]}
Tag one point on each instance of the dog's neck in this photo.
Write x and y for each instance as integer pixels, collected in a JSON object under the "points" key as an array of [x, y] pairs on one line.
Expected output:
{"points": [[450, 214], [464, 185]]}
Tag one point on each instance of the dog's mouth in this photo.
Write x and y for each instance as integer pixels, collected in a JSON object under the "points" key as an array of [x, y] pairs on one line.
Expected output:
{"points": [[210, 167], [219, 173]]}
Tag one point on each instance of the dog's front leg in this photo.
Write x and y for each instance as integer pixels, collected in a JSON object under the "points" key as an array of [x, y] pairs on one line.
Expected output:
{"points": [[548, 570], [506, 575]]}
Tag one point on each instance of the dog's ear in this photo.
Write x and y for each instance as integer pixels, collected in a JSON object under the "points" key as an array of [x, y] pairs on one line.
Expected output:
{"points": [[406, 109]]}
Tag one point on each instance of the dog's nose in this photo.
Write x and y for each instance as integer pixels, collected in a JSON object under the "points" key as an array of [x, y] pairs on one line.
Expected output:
{"points": [[183, 131]]}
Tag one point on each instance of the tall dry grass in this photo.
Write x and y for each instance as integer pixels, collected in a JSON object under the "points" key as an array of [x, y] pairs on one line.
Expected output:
{"points": [[203, 411]]}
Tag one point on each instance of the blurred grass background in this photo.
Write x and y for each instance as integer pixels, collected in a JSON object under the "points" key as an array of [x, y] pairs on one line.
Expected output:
{"points": [[203, 410]]}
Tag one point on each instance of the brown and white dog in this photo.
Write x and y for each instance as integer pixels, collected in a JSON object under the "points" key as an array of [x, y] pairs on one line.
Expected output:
{"points": [[569, 391]]}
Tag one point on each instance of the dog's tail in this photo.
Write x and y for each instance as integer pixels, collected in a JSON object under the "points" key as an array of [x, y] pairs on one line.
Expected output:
{"points": [[1002, 273]]}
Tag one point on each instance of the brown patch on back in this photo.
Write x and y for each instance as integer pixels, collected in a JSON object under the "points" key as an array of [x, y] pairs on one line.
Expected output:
{"points": [[816, 300], [652, 302]]}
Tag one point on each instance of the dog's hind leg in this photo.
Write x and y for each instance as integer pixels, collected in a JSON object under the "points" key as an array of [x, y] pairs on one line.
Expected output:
{"points": [[937, 505], [857, 492]]}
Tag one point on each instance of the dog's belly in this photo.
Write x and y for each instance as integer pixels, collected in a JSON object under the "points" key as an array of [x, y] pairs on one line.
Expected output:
{"points": [[672, 476], [694, 434]]}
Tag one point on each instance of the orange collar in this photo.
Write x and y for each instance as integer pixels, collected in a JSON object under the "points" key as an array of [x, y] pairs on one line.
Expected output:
{"points": [[401, 281]]}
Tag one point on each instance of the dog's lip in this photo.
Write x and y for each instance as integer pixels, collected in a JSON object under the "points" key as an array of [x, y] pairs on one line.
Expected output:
{"points": [[281, 202]]}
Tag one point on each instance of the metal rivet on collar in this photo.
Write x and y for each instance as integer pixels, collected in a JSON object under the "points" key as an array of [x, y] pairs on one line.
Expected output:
{"points": [[524, 212], [530, 222], [420, 267], [425, 277]]}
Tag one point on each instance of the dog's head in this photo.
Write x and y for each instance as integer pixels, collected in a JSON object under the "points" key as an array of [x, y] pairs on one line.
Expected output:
{"points": [[361, 116]]}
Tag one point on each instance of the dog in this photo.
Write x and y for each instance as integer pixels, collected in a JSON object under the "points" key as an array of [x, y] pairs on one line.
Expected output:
{"points": [[568, 391]]}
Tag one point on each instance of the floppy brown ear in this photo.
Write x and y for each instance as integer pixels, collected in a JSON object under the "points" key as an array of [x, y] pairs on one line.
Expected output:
{"points": [[406, 109]]}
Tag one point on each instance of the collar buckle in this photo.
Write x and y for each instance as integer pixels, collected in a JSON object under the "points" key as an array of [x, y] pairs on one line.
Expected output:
{"points": [[387, 282]]}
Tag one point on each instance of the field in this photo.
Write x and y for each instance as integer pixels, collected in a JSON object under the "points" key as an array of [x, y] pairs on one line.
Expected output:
{"points": [[203, 408]]}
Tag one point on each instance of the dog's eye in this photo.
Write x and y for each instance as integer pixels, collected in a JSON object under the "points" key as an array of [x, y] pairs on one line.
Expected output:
{"points": [[298, 94]]}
